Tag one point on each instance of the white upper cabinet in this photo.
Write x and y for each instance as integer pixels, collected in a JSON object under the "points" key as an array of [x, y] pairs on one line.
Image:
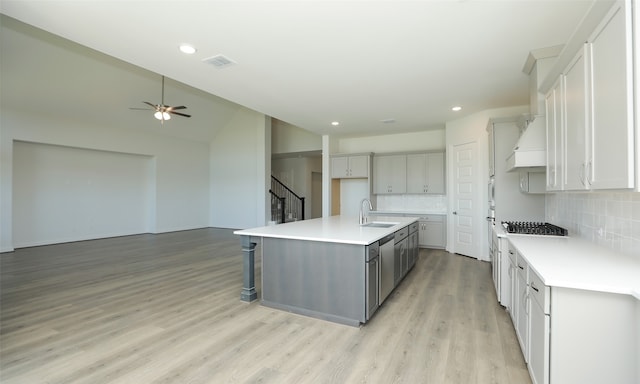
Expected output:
{"points": [[425, 173], [555, 129], [344, 167], [577, 127], [590, 128], [612, 161], [492, 150]]}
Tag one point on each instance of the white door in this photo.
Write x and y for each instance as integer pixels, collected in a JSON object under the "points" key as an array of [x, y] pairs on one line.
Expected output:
{"points": [[466, 201]]}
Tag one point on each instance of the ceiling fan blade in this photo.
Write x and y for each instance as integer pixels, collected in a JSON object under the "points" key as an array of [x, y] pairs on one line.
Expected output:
{"points": [[151, 105], [173, 108], [179, 114], [142, 109]]}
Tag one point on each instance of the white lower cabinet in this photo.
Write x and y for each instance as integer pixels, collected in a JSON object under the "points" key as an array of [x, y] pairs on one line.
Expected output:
{"points": [[513, 278], [570, 335], [539, 323], [522, 318]]}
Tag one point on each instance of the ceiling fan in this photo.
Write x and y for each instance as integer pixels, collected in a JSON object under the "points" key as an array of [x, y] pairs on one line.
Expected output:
{"points": [[163, 112]]}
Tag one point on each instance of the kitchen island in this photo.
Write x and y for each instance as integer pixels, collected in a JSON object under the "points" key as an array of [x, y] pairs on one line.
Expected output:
{"points": [[330, 268]]}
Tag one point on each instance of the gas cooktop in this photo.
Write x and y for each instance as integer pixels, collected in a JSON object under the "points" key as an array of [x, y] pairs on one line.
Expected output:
{"points": [[533, 228]]}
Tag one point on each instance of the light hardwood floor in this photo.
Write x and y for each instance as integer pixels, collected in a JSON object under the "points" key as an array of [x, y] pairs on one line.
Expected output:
{"points": [[166, 309]]}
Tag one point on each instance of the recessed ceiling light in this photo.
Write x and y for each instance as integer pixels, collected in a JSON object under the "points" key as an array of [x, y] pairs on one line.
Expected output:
{"points": [[335, 123], [187, 49], [456, 108]]}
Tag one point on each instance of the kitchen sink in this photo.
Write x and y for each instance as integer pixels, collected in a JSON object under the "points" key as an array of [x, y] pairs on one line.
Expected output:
{"points": [[379, 224]]}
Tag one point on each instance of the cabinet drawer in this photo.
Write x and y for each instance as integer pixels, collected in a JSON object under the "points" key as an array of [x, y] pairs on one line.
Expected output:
{"points": [[401, 234], [538, 291], [413, 227]]}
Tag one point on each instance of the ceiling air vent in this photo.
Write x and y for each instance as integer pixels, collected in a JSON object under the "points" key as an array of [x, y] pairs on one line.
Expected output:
{"points": [[219, 61]]}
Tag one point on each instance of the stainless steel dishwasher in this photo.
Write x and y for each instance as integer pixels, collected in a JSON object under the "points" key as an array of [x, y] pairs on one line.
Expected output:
{"points": [[387, 282]]}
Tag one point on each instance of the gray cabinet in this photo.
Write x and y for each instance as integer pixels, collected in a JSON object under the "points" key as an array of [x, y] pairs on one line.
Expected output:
{"points": [[413, 244], [425, 173], [372, 279], [432, 231], [401, 252], [389, 174], [350, 166]]}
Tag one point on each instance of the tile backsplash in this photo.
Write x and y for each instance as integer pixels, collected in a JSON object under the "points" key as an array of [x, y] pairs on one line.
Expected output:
{"points": [[420, 203], [610, 219]]}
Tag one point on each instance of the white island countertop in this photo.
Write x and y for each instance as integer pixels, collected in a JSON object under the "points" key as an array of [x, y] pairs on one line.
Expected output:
{"points": [[334, 229], [570, 262]]}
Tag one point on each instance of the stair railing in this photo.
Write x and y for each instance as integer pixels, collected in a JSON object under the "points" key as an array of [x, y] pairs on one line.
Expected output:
{"points": [[277, 208], [286, 205]]}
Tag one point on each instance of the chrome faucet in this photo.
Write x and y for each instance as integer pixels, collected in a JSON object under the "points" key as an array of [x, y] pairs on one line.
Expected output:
{"points": [[363, 218]]}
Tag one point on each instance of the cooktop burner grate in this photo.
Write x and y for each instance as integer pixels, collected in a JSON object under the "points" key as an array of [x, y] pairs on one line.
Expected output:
{"points": [[533, 228]]}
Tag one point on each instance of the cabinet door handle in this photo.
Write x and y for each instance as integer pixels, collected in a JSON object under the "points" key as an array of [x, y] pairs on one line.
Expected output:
{"points": [[521, 267], [534, 287], [455, 212], [510, 252]]}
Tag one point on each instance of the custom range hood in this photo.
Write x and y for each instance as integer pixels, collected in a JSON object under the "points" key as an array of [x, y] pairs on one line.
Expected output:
{"points": [[530, 152]]}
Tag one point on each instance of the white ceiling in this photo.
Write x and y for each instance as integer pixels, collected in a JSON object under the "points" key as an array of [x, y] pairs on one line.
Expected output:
{"points": [[309, 63]]}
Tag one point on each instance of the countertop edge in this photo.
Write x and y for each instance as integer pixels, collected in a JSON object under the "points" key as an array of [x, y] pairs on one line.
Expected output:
{"points": [[248, 232], [333, 229], [411, 213], [550, 275]]}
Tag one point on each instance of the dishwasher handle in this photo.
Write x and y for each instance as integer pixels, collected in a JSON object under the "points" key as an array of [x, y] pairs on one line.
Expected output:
{"points": [[386, 239]]}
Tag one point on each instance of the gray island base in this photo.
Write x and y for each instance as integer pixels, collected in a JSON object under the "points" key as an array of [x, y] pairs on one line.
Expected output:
{"points": [[320, 268], [317, 279]]}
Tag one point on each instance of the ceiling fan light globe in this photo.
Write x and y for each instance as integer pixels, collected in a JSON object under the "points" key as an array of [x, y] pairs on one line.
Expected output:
{"points": [[162, 115]]}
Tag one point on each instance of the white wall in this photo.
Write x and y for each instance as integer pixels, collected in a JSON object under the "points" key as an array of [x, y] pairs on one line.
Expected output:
{"points": [[401, 142], [40, 66], [240, 172], [287, 138], [181, 166], [65, 194]]}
